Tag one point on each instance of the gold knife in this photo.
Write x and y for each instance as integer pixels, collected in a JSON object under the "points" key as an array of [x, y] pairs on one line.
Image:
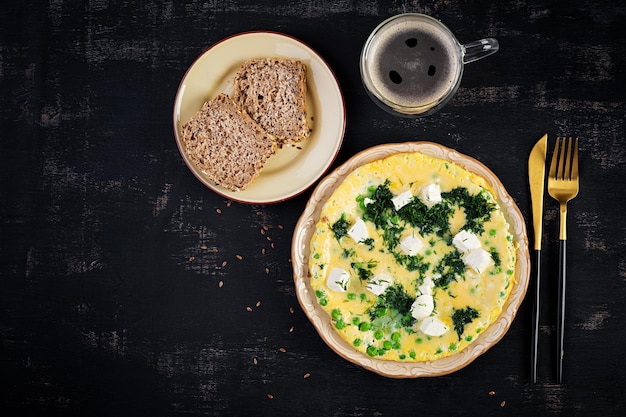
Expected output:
{"points": [[536, 179]]}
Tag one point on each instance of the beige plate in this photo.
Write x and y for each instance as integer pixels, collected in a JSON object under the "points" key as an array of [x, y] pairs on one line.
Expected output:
{"points": [[320, 319], [292, 169]]}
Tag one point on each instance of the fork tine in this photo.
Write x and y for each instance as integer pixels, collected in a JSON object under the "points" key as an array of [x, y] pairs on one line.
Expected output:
{"points": [[567, 171], [560, 171], [555, 155], [575, 162]]}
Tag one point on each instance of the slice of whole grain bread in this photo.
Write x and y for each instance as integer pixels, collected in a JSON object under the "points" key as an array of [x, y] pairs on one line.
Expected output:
{"points": [[226, 144], [273, 92]]}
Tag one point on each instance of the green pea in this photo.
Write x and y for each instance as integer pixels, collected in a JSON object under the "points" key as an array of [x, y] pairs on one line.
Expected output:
{"points": [[378, 334], [351, 296], [356, 320], [395, 336], [340, 324], [396, 345], [386, 345], [323, 302], [336, 313], [364, 326], [371, 351], [412, 354], [356, 342]]}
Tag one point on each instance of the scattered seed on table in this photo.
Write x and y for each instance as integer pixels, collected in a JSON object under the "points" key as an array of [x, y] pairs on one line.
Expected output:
{"points": [[263, 251], [266, 228], [203, 247], [283, 350], [492, 393], [220, 284], [219, 211], [268, 238], [267, 270], [262, 231], [249, 308], [191, 258], [259, 213], [307, 375], [258, 303], [255, 361], [272, 245], [270, 396], [224, 264], [280, 226], [229, 203], [239, 257], [503, 403], [291, 310], [291, 329]]}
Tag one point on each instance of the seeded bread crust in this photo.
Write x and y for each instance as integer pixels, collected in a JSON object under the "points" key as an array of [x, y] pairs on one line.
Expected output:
{"points": [[226, 144], [273, 92]]}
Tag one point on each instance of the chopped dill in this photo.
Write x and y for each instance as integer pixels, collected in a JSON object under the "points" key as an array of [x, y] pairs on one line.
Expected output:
{"points": [[463, 316], [340, 227]]}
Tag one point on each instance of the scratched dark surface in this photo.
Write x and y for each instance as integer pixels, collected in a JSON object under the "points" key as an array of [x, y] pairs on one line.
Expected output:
{"points": [[128, 288]]}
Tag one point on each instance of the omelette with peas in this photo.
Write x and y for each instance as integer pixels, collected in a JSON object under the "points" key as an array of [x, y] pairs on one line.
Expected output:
{"points": [[412, 258]]}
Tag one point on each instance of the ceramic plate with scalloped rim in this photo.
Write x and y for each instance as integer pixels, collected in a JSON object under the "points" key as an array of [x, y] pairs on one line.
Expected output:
{"points": [[322, 322], [292, 169]]}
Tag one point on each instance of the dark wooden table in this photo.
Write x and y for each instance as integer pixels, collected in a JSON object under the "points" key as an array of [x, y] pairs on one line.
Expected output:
{"points": [[127, 288]]}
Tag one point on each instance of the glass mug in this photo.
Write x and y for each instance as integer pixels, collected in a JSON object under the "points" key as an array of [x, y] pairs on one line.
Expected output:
{"points": [[412, 64]]}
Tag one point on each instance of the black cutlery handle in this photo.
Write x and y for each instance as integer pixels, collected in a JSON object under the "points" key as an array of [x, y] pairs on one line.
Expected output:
{"points": [[560, 324], [535, 325]]}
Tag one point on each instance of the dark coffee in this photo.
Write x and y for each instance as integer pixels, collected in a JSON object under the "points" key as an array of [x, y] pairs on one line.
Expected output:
{"points": [[413, 62]]}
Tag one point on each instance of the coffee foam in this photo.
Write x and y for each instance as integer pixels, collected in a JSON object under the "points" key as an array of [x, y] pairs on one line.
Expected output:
{"points": [[435, 51]]}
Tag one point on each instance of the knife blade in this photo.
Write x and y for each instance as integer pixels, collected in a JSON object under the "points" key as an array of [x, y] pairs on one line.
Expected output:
{"points": [[536, 179]]}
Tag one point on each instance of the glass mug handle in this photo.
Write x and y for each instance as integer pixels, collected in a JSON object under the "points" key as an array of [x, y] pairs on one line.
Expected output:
{"points": [[479, 49]]}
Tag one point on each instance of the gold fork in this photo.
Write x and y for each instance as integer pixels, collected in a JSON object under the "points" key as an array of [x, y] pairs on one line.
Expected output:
{"points": [[563, 186]]}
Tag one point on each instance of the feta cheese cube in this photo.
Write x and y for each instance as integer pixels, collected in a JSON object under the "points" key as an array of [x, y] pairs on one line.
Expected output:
{"points": [[411, 245], [358, 231], [402, 199], [422, 307], [432, 326], [431, 194], [427, 286], [378, 284], [466, 241], [338, 280], [478, 260]]}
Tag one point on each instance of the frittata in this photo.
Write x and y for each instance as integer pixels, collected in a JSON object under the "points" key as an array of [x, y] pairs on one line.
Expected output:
{"points": [[412, 258]]}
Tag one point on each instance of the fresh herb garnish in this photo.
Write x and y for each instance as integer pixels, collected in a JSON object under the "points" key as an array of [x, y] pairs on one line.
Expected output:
{"points": [[347, 253], [450, 267], [393, 307], [477, 208], [340, 227], [382, 213], [463, 316], [369, 242], [412, 263], [435, 219], [364, 269], [496, 257]]}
